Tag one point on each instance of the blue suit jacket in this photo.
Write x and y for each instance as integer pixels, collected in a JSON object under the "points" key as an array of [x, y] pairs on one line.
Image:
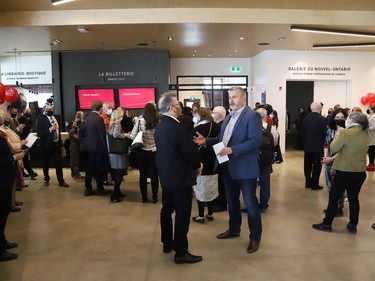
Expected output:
{"points": [[95, 133], [245, 142]]}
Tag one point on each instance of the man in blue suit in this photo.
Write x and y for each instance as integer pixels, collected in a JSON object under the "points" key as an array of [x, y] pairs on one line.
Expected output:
{"points": [[241, 133]]}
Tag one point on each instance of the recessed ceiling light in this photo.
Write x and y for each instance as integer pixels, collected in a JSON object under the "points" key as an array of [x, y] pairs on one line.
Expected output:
{"points": [[242, 38], [209, 55], [142, 44], [236, 51], [82, 29], [281, 38], [230, 55], [170, 38], [193, 55], [195, 51], [263, 44], [59, 2]]}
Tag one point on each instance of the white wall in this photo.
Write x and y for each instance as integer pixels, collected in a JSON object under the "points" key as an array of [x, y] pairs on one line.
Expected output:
{"points": [[331, 93], [273, 68]]}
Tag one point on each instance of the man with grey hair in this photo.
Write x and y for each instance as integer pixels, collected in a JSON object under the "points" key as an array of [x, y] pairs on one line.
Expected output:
{"points": [[313, 130], [178, 164], [219, 113]]}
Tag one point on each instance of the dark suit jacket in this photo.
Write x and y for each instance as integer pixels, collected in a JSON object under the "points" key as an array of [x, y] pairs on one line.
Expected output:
{"points": [[314, 130], [245, 142], [42, 130], [177, 156], [95, 132], [8, 168]]}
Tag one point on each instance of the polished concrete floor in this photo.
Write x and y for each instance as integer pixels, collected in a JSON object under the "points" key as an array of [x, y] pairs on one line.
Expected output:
{"points": [[63, 236]]}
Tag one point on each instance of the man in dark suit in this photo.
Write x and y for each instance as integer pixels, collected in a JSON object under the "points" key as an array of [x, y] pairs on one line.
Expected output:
{"points": [[241, 134], [95, 134], [8, 174], [313, 130], [48, 131], [178, 164]]}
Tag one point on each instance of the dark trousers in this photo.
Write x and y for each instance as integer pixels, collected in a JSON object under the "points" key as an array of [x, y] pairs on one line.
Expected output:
{"points": [[201, 206], [117, 178], [221, 200], [312, 168], [147, 168], [26, 164], [47, 153], [98, 164], [352, 183], [178, 201], [5, 204], [371, 154]]}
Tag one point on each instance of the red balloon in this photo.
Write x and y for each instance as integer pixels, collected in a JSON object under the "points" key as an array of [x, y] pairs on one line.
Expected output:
{"points": [[2, 93], [364, 100], [370, 96], [11, 94], [372, 103]]}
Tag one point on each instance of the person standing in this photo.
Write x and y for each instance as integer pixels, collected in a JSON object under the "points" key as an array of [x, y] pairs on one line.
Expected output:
{"points": [[241, 134], [48, 131], [313, 130], [351, 146], [95, 144], [371, 130], [8, 174], [178, 164], [206, 189], [145, 157]]}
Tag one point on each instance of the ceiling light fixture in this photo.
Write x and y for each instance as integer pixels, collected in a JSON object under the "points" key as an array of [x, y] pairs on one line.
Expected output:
{"points": [[170, 38], [332, 31], [242, 38], [59, 2], [281, 38], [82, 29], [351, 45]]}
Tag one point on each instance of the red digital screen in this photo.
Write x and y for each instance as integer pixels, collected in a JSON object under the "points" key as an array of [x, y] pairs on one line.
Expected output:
{"points": [[87, 96], [136, 97]]}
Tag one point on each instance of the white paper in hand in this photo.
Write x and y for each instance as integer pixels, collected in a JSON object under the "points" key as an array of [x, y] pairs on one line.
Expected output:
{"points": [[31, 138], [217, 148]]}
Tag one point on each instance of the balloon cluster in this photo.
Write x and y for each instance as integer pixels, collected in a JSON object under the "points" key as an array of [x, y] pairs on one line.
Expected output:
{"points": [[368, 99], [8, 94]]}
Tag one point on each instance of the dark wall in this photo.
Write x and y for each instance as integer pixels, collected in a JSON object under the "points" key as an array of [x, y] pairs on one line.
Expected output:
{"points": [[107, 69]]}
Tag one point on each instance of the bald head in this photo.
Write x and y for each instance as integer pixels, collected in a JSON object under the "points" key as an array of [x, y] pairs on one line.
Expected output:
{"points": [[219, 113]]}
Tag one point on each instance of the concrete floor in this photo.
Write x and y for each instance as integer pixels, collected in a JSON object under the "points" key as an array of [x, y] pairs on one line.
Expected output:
{"points": [[63, 236]]}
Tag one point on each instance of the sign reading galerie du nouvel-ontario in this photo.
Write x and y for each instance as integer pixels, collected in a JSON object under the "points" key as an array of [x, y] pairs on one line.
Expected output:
{"points": [[319, 71]]}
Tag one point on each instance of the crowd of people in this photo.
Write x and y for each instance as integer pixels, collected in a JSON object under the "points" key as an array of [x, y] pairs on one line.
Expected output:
{"points": [[217, 154]]}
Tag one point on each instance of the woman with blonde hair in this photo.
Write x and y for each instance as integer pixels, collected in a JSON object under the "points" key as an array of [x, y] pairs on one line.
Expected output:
{"points": [[117, 161]]}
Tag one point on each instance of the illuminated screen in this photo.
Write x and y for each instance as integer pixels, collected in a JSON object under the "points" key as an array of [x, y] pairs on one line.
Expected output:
{"points": [[87, 96], [136, 97]]}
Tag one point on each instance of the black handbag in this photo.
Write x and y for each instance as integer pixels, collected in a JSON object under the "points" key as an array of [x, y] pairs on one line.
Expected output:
{"points": [[137, 143], [117, 145]]}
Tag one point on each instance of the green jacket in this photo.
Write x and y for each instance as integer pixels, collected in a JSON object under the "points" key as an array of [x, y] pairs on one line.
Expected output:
{"points": [[351, 145]]}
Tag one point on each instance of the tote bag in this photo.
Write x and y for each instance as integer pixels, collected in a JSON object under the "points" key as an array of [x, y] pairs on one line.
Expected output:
{"points": [[116, 145]]}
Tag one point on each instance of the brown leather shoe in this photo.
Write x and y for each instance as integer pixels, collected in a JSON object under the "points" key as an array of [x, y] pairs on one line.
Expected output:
{"points": [[227, 234], [253, 246]]}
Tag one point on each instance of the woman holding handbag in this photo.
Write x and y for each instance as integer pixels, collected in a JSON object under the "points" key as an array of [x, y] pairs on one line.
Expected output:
{"points": [[117, 160], [206, 189], [145, 157]]}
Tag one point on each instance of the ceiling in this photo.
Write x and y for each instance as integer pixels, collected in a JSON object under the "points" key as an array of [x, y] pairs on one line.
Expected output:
{"points": [[205, 28]]}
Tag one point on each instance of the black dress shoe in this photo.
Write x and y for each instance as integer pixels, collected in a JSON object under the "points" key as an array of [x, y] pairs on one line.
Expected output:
{"points": [[15, 209], [210, 217], [167, 249], [227, 234], [90, 192], [18, 203], [319, 187], [46, 183], [322, 227], [187, 258], [351, 229], [10, 245], [115, 199], [253, 246], [6, 256], [102, 192], [63, 184]]}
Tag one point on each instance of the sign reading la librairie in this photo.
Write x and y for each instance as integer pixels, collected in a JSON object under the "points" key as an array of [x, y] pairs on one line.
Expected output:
{"points": [[332, 71]]}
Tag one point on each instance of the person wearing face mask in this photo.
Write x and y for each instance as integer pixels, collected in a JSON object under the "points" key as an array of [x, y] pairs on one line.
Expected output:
{"points": [[336, 124], [14, 123], [25, 119], [371, 131], [48, 131], [351, 146], [106, 115]]}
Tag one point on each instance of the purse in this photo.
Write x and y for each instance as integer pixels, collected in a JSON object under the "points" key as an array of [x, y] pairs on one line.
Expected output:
{"points": [[137, 143], [116, 145]]}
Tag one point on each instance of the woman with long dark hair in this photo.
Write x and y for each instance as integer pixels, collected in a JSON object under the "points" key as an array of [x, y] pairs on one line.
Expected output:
{"points": [[146, 156]]}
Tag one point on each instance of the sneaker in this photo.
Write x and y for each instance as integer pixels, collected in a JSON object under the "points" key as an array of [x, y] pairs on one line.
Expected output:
{"points": [[210, 217], [322, 227], [198, 219]]}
